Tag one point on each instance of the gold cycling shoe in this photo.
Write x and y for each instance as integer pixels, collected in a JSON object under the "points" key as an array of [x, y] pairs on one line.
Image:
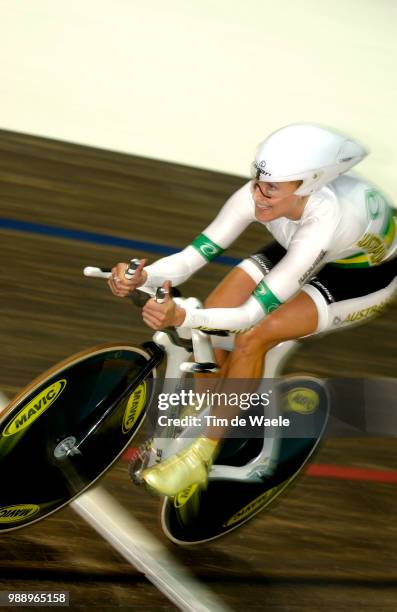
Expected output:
{"points": [[190, 466]]}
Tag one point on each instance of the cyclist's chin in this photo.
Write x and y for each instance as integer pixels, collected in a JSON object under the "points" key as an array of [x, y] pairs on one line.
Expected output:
{"points": [[265, 213]]}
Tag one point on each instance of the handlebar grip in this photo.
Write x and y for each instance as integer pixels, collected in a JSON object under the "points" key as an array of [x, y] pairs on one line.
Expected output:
{"points": [[161, 295], [97, 272], [129, 273], [94, 272]]}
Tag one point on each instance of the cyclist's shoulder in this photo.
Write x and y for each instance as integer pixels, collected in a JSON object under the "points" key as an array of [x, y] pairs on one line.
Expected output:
{"points": [[322, 205], [345, 195], [353, 189]]}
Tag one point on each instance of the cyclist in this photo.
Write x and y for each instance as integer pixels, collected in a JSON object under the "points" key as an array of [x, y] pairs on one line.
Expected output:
{"points": [[332, 263]]}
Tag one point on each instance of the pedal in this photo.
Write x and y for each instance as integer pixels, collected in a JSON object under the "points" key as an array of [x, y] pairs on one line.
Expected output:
{"points": [[140, 460]]}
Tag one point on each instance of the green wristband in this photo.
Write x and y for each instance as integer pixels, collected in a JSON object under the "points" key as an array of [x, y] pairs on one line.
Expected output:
{"points": [[208, 249], [266, 298]]}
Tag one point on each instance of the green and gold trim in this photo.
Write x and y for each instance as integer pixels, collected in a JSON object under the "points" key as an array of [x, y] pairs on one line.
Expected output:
{"points": [[376, 247]]}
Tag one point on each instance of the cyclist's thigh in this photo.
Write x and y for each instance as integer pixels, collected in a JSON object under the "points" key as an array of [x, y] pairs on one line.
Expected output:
{"points": [[240, 282], [349, 297], [232, 291]]}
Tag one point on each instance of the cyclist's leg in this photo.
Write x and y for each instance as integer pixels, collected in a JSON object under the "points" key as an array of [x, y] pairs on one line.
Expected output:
{"points": [[314, 310], [238, 285], [231, 292], [294, 319], [352, 310], [335, 298], [326, 304], [347, 296]]}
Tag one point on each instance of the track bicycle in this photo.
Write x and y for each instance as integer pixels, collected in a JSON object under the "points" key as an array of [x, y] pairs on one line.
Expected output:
{"points": [[68, 427]]}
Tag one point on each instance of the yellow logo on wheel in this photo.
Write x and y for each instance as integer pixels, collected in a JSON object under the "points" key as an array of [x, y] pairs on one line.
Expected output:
{"points": [[258, 504], [35, 408], [135, 405], [302, 400], [17, 513], [183, 496]]}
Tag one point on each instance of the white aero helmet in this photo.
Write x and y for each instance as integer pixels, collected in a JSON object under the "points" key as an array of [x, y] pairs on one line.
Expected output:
{"points": [[305, 152]]}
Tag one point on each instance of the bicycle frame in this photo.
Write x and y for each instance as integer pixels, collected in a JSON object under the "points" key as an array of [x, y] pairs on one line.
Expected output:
{"points": [[178, 346], [202, 350]]}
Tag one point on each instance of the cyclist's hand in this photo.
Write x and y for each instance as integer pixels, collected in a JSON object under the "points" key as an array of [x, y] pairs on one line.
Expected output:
{"points": [[159, 316], [121, 286]]}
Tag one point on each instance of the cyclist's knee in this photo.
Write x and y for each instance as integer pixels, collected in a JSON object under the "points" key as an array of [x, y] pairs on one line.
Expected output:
{"points": [[252, 342], [220, 356]]}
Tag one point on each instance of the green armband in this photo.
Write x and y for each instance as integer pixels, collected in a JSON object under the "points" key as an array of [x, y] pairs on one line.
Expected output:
{"points": [[266, 298], [208, 249]]}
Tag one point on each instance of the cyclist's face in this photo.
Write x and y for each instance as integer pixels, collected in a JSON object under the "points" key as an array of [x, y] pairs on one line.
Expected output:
{"points": [[274, 200]]}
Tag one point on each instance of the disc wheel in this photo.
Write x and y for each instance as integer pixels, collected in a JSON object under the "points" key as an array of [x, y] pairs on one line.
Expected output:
{"points": [[195, 516], [68, 426]]}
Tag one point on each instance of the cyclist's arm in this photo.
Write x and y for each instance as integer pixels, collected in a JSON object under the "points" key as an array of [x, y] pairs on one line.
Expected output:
{"points": [[231, 221], [305, 256]]}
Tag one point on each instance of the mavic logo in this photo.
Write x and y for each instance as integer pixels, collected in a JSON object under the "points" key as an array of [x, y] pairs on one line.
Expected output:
{"points": [[257, 504], [35, 408], [135, 405], [19, 512], [183, 496]]}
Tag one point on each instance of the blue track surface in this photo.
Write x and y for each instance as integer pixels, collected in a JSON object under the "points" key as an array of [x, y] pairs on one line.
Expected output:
{"points": [[94, 238]]}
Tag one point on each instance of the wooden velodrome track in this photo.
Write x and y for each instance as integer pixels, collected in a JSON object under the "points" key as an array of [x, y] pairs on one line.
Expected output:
{"points": [[329, 545]]}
